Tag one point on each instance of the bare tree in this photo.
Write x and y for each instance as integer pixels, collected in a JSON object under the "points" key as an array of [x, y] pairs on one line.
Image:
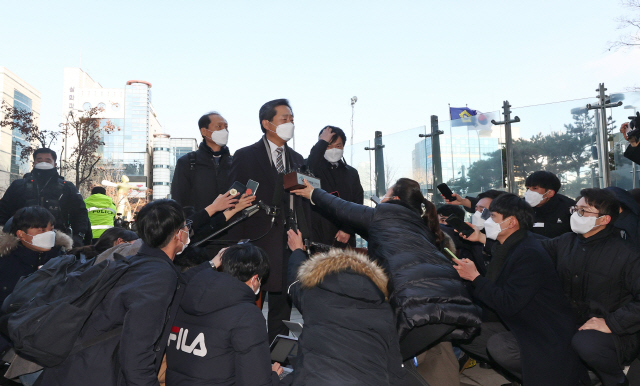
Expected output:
{"points": [[22, 120], [631, 24], [86, 134]]}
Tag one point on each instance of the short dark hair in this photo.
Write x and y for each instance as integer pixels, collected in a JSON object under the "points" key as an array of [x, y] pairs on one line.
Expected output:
{"points": [[339, 133], [603, 200], [448, 209], [268, 110], [158, 221], [31, 217], [205, 120], [45, 150], [99, 190], [543, 179], [492, 194], [110, 236], [242, 261], [508, 205]]}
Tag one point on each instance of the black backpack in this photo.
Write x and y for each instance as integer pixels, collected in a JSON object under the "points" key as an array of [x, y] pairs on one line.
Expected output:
{"points": [[47, 309]]}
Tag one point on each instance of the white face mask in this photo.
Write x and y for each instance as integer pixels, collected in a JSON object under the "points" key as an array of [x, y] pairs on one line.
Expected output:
{"points": [[333, 155], [582, 225], [492, 229], [477, 220], [184, 245], [43, 166], [285, 131], [45, 240], [533, 198], [220, 137]]}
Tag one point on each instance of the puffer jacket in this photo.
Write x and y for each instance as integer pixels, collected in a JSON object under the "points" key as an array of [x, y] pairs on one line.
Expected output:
{"points": [[219, 336], [349, 335], [424, 287], [16, 260], [601, 277]]}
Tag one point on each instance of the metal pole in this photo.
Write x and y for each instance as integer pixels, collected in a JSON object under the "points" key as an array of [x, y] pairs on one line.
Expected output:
{"points": [[598, 122], [436, 162], [379, 160], [603, 136], [508, 144]]}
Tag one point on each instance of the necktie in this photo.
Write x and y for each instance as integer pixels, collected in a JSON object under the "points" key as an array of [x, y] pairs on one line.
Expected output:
{"points": [[279, 163]]}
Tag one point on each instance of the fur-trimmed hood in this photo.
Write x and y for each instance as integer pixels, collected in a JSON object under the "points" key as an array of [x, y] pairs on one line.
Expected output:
{"points": [[9, 242], [313, 271]]}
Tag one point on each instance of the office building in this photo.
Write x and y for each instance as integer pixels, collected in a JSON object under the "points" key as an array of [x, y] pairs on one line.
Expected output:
{"points": [[128, 149], [16, 93]]}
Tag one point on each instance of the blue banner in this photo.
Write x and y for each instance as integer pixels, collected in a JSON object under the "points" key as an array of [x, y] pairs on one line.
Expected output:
{"points": [[462, 116]]}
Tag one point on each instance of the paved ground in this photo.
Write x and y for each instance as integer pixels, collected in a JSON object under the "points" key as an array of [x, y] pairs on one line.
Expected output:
{"points": [[470, 377]]}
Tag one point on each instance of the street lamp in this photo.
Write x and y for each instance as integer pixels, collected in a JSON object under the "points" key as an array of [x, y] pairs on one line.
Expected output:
{"points": [[633, 164]]}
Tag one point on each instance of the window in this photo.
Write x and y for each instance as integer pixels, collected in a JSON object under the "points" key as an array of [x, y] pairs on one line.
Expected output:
{"points": [[86, 106], [102, 106]]}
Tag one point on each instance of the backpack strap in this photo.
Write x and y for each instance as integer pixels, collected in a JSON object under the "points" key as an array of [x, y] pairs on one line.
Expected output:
{"points": [[192, 161]]}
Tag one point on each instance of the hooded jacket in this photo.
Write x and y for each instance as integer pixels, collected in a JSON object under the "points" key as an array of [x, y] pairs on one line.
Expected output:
{"points": [[424, 288], [219, 336], [349, 335], [628, 221], [600, 276], [17, 261]]}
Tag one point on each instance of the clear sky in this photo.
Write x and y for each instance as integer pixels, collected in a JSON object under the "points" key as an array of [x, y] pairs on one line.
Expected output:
{"points": [[404, 60]]}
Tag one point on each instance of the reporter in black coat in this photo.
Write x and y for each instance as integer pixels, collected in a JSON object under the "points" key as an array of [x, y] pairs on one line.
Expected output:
{"points": [[428, 297], [219, 336], [336, 177], [551, 209], [259, 162], [143, 303], [349, 335], [527, 296]]}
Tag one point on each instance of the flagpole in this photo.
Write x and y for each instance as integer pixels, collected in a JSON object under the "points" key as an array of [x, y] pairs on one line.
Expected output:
{"points": [[453, 170]]}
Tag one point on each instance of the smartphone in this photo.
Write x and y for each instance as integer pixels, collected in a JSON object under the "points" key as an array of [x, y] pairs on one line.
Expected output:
{"points": [[459, 225], [252, 187], [376, 200], [446, 192], [237, 189], [485, 214], [453, 256]]}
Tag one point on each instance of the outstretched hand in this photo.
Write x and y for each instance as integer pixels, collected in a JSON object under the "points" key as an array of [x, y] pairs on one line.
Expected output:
{"points": [[476, 236], [222, 202], [466, 269], [295, 240], [304, 192], [243, 203]]}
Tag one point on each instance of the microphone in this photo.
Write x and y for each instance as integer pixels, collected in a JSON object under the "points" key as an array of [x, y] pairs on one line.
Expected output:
{"points": [[245, 214]]}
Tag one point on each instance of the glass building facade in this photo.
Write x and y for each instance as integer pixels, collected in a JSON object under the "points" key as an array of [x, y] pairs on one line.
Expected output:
{"points": [[180, 147], [19, 167]]}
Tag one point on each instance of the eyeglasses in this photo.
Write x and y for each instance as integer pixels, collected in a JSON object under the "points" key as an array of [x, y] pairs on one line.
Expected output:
{"points": [[580, 211], [188, 224]]}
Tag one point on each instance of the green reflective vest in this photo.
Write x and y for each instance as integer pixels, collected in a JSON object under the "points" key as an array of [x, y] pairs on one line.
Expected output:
{"points": [[102, 213]]}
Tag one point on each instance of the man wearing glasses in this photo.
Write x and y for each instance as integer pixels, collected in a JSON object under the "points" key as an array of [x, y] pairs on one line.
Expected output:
{"points": [[600, 275]]}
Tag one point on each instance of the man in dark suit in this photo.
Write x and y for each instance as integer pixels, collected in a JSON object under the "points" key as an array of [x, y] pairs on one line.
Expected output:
{"points": [[263, 162]]}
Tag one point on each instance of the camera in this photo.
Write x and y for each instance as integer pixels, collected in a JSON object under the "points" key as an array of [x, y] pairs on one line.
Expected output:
{"points": [[634, 127]]}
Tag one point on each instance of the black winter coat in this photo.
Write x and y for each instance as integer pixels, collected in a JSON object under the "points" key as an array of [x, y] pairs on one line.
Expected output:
{"points": [[553, 218], [601, 277], [73, 211], [633, 154], [253, 162], [200, 187], [527, 296], [424, 287], [349, 336], [341, 180], [629, 220], [219, 336], [144, 303], [17, 261]]}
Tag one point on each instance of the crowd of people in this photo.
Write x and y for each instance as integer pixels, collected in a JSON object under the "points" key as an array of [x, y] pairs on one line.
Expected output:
{"points": [[545, 289]]}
